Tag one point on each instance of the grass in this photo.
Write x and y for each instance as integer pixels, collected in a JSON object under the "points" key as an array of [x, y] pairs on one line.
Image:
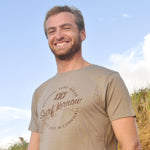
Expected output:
{"points": [[141, 103]]}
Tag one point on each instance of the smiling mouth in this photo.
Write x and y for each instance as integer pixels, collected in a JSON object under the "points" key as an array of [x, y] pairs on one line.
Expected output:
{"points": [[61, 44]]}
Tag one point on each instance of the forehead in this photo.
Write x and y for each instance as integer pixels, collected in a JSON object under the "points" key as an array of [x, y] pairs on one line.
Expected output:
{"points": [[59, 19]]}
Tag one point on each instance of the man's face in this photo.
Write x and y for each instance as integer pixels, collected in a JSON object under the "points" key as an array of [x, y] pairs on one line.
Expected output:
{"points": [[64, 37]]}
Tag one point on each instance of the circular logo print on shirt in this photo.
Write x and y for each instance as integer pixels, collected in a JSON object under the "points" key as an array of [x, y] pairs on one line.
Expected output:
{"points": [[60, 108]]}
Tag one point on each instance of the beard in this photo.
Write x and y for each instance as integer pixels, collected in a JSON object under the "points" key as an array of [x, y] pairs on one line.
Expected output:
{"points": [[70, 52]]}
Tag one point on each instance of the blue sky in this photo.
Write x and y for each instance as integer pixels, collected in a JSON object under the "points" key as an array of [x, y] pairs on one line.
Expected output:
{"points": [[118, 37]]}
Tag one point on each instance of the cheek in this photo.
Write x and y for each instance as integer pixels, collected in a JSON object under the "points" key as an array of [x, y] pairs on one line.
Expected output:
{"points": [[50, 42]]}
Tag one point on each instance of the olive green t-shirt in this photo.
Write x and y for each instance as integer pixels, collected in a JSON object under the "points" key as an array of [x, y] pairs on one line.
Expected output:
{"points": [[74, 110]]}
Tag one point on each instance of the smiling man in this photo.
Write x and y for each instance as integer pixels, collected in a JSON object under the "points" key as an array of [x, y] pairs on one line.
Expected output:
{"points": [[65, 38], [84, 106]]}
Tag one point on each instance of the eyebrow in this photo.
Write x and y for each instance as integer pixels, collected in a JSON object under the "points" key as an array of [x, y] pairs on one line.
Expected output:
{"points": [[66, 24], [63, 25]]}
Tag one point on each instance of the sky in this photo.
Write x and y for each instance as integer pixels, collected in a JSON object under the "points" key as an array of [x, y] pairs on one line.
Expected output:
{"points": [[118, 37]]}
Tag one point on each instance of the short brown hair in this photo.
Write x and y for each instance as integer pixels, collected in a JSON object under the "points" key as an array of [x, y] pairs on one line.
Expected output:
{"points": [[58, 9]]}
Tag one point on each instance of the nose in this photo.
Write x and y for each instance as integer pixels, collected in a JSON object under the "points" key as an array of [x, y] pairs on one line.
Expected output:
{"points": [[59, 35]]}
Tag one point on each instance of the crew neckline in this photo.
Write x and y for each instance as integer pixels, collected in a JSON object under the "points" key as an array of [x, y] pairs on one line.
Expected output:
{"points": [[76, 70]]}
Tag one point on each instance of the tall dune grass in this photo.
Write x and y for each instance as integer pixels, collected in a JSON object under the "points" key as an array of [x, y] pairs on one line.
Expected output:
{"points": [[141, 103]]}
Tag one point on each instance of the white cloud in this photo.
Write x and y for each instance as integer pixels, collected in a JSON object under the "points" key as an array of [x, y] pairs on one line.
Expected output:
{"points": [[10, 113], [13, 124], [134, 65], [125, 15], [7, 141]]}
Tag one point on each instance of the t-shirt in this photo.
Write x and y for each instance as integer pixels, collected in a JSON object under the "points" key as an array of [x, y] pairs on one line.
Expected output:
{"points": [[74, 110]]}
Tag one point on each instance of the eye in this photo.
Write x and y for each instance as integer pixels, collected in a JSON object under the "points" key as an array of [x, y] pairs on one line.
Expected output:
{"points": [[50, 32], [67, 28]]}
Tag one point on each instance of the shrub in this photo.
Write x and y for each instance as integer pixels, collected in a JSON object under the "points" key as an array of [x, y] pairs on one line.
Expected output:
{"points": [[21, 145]]}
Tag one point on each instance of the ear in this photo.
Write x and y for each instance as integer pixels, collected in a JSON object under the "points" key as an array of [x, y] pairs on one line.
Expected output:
{"points": [[83, 34]]}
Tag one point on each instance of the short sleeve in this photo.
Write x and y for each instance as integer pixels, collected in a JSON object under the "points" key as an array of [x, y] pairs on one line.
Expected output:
{"points": [[33, 126], [118, 100]]}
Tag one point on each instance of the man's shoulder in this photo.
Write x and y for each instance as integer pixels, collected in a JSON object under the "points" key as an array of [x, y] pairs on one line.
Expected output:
{"points": [[101, 70], [103, 74], [45, 84]]}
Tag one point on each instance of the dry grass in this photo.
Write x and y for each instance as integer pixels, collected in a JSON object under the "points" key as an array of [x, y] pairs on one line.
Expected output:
{"points": [[141, 103]]}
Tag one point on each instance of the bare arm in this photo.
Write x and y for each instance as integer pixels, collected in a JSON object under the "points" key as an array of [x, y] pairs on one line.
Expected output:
{"points": [[34, 141], [126, 133]]}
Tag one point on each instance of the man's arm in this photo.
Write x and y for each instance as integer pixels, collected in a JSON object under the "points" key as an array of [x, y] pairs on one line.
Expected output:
{"points": [[126, 133], [34, 141]]}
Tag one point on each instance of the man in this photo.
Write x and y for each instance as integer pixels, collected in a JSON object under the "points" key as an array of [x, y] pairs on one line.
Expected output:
{"points": [[84, 106]]}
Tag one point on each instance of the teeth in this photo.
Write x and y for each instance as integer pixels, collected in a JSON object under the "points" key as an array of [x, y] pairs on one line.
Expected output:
{"points": [[61, 44]]}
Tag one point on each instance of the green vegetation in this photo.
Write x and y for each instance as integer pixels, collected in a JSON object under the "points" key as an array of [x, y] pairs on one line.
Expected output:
{"points": [[141, 103], [22, 145]]}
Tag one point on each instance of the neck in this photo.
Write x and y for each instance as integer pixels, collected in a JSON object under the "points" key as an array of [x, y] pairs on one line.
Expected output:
{"points": [[74, 63]]}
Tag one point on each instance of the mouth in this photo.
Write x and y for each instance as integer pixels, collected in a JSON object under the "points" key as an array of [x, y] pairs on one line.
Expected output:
{"points": [[61, 44]]}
